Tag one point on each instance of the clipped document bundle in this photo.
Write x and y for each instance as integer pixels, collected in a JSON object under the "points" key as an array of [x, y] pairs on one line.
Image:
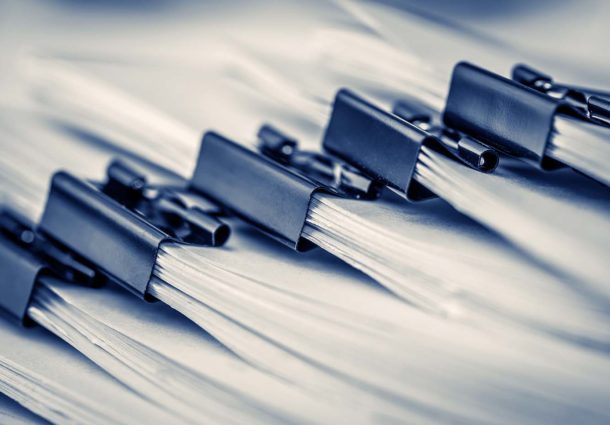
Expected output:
{"points": [[337, 235], [353, 225]]}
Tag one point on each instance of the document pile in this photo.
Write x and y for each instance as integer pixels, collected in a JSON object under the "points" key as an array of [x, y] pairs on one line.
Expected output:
{"points": [[340, 234]]}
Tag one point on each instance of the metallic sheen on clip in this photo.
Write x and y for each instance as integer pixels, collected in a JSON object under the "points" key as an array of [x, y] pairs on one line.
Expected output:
{"points": [[466, 149]]}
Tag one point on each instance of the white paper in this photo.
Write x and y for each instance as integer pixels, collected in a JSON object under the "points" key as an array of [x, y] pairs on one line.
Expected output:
{"points": [[435, 369], [43, 366], [12, 413]]}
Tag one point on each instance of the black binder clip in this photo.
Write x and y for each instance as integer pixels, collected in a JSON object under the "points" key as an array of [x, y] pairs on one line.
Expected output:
{"points": [[516, 115], [386, 147], [90, 233], [272, 188]]}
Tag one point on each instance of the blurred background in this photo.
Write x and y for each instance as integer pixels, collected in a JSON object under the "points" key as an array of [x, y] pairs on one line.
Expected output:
{"points": [[570, 35], [146, 46]]}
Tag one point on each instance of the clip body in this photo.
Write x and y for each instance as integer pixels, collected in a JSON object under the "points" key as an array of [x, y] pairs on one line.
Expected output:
{"points": [[514, 116], [382, 145], [256, 188]]}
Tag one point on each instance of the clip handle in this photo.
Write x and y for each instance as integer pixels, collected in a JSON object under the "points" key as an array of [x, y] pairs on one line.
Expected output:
{"points": [[599, 109], [544, 83], [531, 77], [276, 145], [191, 224], [325, 169], [466, 149]]}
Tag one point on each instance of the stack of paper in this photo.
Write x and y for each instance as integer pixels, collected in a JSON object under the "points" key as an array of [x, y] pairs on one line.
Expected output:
{"points": [[40, 373], [488, 306], [340, 345], [453, 274]]}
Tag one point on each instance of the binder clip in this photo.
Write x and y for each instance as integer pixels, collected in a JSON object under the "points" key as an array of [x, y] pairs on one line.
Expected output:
{"points": [[386, 147], [92, 233], [271, 188], [516, 115]]}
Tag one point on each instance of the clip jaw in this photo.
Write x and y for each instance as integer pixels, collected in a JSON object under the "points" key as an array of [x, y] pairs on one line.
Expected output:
{"points": [[380, 144], [19, 272], [501, 113], [169, 209]]}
